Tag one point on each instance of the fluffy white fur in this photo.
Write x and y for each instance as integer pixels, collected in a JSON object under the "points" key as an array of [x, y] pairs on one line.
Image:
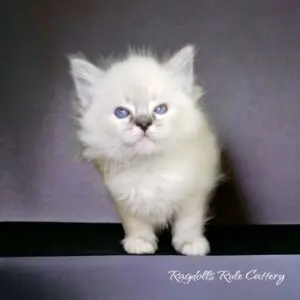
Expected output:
{"points": [[161, 177]]}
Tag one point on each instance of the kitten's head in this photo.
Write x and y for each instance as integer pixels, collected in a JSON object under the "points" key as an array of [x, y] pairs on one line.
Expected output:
{"points": [[138, 105]]}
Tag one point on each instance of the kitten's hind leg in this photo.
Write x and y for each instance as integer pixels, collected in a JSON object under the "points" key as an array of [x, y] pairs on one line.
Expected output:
{"points": [[140, 235], [188, 236]]}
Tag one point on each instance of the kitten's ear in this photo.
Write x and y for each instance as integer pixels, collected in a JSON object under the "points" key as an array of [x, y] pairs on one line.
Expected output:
{"points": [[182, 65], [86, 76]]}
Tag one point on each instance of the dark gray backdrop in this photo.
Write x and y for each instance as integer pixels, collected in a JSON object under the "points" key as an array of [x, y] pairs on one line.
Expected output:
{"points": [[248, 62]]}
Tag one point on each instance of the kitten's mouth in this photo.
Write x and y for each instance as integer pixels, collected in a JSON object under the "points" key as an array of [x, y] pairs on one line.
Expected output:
{"points": [[146, 137], [145, 145]]}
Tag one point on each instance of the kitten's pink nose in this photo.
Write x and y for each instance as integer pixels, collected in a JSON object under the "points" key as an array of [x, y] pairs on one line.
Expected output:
{"points": [[143, 122]]}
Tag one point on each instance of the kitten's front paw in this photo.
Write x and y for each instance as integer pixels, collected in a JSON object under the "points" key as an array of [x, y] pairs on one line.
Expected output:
{"points": [[197, 246], [135, 245]]}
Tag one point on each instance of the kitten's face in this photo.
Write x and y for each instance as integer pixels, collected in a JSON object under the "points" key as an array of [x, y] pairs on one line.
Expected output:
{"points": [[137, 107]]}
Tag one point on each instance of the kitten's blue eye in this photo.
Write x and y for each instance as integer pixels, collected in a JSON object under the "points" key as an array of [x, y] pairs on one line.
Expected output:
{"points": [[121, 112], [161, 109]]}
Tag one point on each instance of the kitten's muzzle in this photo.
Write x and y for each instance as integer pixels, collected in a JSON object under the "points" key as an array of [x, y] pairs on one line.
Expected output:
{"points": [[143, 122]]}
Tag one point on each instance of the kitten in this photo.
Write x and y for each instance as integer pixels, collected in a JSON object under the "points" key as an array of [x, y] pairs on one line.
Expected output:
{"points": [[141, 126]]}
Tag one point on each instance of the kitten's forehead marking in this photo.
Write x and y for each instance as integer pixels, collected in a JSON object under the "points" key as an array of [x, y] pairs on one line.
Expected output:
{"points": [[142, 98]]}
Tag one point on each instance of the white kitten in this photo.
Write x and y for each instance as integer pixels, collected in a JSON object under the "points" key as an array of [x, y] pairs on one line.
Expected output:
{"points": [[141, 126]]}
